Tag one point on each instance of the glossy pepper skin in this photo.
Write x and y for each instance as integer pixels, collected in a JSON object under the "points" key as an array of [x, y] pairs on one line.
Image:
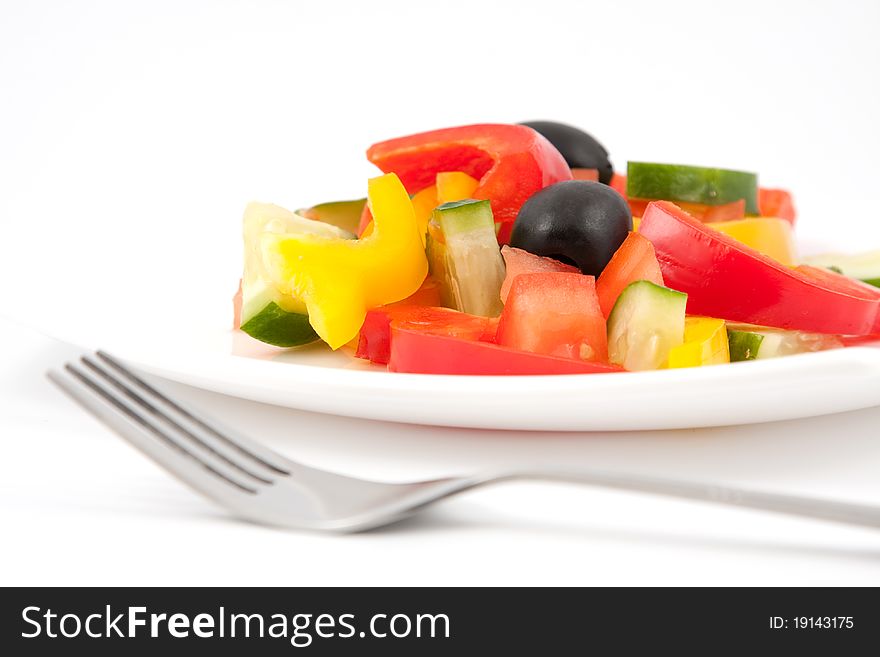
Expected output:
{"points": [[339, 280], [511, 162], [421, 352], [726, 279], [705, 343], [374, 343]]}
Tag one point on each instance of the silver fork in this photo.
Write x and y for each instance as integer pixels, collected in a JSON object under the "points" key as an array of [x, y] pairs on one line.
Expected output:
{"points": [[260, 485]]}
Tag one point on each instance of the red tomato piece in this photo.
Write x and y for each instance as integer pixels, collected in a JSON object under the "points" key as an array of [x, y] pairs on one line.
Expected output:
{"points": [[618, 184], [374, 342], [423, 352], [585, 174], [554, 313], [635, 260], [724, 278], [512, 162], [519, 262], [776, 203]]}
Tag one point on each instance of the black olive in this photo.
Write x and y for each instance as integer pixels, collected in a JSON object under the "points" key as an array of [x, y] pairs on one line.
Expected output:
{"points": [[580, 150], [575, 221]]}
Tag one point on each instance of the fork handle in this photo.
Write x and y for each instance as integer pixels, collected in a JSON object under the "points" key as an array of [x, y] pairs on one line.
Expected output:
{"points": [[794, 505]]}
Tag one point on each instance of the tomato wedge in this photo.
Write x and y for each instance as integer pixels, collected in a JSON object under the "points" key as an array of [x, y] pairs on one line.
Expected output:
{"points": [[554, 313], [421, 352], [776, 203], [374, 342], [633, 261], [512, 162], [726, 279], [519, 262]]}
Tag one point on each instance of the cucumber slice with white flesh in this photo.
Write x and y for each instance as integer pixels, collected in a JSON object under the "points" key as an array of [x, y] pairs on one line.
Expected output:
{"points": [[465, 258], [267, 314], [863, 266], [646, 323], [757, 343]]}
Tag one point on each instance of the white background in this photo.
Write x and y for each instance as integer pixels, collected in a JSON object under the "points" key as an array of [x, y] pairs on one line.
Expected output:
{"points": [[158, 121]]}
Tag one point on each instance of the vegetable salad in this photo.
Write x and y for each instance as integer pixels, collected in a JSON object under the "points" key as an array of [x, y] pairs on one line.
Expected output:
{"points": [[517, 249]]}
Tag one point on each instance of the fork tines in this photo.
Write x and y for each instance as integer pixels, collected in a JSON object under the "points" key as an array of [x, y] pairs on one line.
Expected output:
{"points": [[177, 438]]}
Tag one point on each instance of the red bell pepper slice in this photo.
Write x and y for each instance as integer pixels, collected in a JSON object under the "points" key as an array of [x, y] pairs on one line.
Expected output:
{"points": [[425, 353], [726, 279], [618, 183], [554, 313], [633, 261], [512, 162], [374, 339], [776, 203], [374, 342], [855, 286], [860, 340]]}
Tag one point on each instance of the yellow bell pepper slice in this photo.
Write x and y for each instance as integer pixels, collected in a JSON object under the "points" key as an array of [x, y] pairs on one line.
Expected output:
{"points": [[451, 186], [767, 235], [454, 186], [339, 279], [424, 203], [705, 343]]}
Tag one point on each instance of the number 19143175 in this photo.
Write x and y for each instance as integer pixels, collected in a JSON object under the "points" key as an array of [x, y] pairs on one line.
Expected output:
{"points": [[812, 623]]}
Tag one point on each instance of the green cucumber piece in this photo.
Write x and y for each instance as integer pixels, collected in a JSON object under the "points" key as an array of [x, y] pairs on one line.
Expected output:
{"points": [[646, 323], [678, 182], [342, 214], [862, 266], [757, 343], [276, 326], [744, 345], [464, 257], [267, 314]]}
